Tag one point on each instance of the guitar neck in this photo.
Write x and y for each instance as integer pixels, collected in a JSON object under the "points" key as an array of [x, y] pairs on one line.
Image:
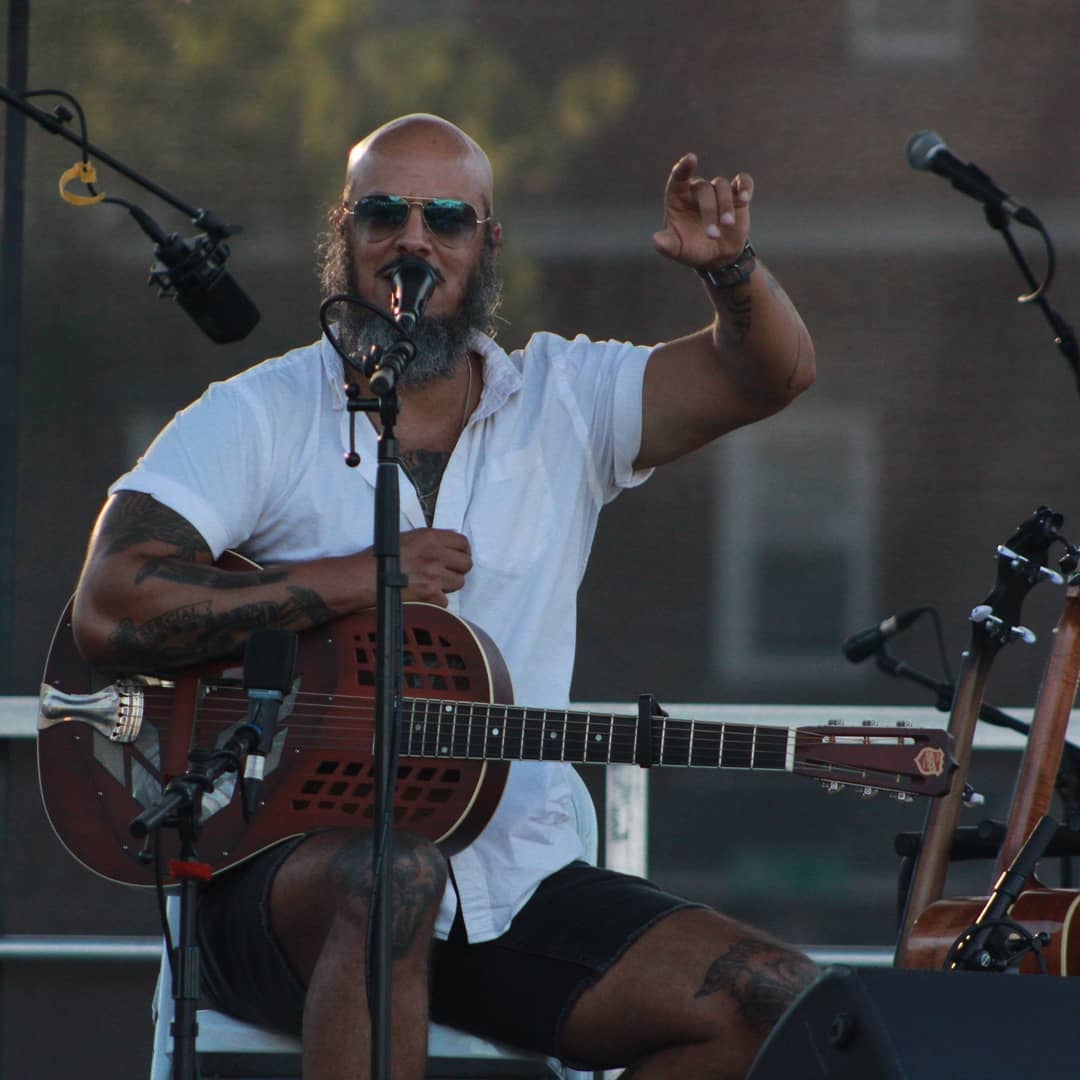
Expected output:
{"points": [[483, 731]]}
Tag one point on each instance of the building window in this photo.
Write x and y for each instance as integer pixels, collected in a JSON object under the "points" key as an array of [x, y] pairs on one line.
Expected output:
{"points": [[795, 543], [889, 30]]}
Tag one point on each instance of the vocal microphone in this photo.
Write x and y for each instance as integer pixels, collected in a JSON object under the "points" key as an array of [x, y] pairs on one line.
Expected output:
{"points": [[866, 642], [193, 274], [927, 150], [269, 663], [412, 280]]}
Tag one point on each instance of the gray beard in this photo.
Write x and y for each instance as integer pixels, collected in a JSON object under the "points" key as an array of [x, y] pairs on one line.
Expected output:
{"points": [[440, 343]]}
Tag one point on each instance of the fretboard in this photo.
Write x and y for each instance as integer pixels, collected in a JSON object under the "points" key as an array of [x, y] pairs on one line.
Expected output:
{"points": [[466, 730]]}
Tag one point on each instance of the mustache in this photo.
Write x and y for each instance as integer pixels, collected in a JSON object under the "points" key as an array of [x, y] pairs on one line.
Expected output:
{"points": [[387, 269]]}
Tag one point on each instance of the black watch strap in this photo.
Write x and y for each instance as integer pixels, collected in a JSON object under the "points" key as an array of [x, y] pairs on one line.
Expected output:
{"points": [[735, 273]]}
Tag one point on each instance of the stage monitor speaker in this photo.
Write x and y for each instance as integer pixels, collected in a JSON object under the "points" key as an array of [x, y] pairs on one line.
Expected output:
{"points": [[886, 1024]]}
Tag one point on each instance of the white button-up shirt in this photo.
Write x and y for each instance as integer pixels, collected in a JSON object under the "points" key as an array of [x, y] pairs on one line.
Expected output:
{"points": [[256, 464]]}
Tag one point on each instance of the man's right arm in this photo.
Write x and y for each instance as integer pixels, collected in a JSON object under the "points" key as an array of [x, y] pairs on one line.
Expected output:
{"points": [[150, 595]]}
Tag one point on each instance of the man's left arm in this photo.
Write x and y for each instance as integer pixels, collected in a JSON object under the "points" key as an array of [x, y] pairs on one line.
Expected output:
{"points": [[753, 359]]}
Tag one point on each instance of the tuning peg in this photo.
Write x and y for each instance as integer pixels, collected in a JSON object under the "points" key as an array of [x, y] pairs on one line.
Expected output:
{"points": [[971, 797], [867, 792], [1018, 561], [832, 787], [902, 796], [984, 613]]}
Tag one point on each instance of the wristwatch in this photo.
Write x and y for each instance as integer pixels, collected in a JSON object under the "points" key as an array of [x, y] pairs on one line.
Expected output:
{"points": [[735, 273]]}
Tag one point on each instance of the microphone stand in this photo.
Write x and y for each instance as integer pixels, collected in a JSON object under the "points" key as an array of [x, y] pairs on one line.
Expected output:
{"points": [[1064, 336], [178, 261], [180, 807], [944, 691], [383, 368], [54, 124]]}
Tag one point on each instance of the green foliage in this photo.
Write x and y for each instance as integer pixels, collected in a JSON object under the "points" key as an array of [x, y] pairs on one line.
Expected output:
{"points": [[283, 88], [249, 107]]}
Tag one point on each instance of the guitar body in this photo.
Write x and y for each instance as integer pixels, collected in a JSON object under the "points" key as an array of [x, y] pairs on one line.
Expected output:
{"points": [[320, 771], [110, 744], [1051, 910]]}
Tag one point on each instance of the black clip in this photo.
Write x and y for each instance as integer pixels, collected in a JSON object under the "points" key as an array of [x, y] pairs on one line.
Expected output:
{"points": [[648, 707]]}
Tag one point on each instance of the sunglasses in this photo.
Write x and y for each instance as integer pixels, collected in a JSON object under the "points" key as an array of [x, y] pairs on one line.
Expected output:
{"points": [[452, 222]]}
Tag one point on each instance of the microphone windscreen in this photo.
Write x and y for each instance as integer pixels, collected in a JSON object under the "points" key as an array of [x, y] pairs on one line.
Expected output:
{"points": [[269, 660], [921, 148]]}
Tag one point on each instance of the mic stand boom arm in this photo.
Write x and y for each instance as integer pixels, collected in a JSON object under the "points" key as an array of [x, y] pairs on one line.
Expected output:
{"points": [[1064, 335], [203, 219]]}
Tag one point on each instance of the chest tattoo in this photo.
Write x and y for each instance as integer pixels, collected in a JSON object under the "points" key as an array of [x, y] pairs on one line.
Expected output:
{"points": [[425, 469]]}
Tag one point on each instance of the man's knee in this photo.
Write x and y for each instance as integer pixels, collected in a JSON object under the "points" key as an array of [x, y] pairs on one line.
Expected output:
{"points": [[417, 881]]}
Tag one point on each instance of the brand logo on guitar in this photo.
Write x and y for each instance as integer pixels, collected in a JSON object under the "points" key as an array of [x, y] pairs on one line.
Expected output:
{"points": [[930, 761]]}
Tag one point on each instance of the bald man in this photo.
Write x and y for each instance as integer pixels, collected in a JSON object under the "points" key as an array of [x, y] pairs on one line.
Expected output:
{"points": [[509, 459]]}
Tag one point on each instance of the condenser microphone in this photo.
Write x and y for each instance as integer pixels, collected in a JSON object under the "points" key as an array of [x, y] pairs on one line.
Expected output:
{"points": [[866, 642], [192, 272], [927, 150], [412, 281]]}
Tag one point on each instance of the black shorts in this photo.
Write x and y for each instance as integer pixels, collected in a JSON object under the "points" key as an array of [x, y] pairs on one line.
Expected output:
{"points": [[517, 989]]}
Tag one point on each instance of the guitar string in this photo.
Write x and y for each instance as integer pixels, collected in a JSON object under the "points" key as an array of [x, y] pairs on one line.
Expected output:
{"points": [[429, 711], [676, 744]]}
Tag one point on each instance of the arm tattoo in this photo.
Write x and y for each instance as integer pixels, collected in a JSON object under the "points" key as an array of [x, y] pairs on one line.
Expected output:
{"points": [[762, 979], [737, 317], [194, 632], [135, 518]]}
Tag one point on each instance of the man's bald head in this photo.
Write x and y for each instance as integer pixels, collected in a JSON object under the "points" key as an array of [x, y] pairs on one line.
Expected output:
{"points": [[421, 136]]}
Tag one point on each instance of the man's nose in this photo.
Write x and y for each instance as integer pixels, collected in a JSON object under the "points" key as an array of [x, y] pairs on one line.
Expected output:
{"points": [[414, 235]]}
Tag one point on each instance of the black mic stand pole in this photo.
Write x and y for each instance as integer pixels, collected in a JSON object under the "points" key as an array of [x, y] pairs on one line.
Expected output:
{"points": [[1064, 336], [180, 807], [383, 368]]}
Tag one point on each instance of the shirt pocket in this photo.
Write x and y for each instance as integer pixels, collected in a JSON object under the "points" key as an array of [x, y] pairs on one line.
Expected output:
{"points": [[512, 511]]}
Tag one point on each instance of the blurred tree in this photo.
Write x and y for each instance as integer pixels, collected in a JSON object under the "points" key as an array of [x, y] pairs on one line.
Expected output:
{"points": [[248, 107]]}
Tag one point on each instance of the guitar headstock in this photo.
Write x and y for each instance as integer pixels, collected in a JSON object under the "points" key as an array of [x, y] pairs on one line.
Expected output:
{"points": [[1021, 565], [906, 761]]}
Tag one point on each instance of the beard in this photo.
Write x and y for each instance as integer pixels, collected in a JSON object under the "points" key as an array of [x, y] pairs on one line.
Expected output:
{"points": [[441, 341]]}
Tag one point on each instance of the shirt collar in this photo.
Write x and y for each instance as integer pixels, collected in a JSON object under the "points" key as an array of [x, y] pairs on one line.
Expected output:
{"points": [[502, 379]]}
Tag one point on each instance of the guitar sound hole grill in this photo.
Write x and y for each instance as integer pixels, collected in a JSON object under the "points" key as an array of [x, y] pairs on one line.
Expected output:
{"points": [[330, 787], [432, 665]]}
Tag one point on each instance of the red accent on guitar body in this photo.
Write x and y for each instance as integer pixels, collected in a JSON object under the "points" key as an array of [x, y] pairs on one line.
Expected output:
{"points": [[319, 773]]}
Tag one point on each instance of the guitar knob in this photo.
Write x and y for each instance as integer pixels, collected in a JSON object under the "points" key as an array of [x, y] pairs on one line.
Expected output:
{"points": [[971, 797]]}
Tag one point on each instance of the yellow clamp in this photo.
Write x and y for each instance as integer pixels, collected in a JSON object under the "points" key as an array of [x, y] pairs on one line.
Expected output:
{"points": [[85, 173]]}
